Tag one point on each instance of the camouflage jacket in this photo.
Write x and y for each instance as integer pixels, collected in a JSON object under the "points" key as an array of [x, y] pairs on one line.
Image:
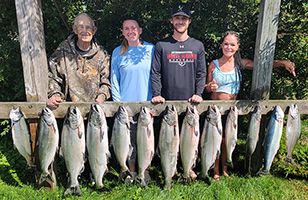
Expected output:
{"points": [[79, 78]]}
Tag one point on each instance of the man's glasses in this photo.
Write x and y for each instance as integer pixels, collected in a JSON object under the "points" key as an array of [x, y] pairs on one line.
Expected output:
{"points": [[80, 27]]}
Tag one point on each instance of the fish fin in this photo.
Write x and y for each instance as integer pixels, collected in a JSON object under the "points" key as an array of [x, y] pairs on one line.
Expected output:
{"points": [[79, 133], [212, 166], [157, 152], [149, 133], [72, 190], [196, 131], [262, 172], [60, 152], [229, 163], [102, 133], [288, 160]]}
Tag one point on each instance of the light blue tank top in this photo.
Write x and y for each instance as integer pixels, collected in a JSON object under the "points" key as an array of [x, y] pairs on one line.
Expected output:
{"points": [[228, 82]]}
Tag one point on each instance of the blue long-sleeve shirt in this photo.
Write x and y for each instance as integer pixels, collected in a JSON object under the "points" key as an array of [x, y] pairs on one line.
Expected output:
{"points": [[130, 73]]}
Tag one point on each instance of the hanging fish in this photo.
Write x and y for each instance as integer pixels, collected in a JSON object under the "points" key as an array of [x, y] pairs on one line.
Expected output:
{"points": [[231, 134], [47, 143], [293, 132], [168, 144], [97, 144], [210, 141], [272, 138], [189, 140], [145, 143], [20, 134], [73, 146]]}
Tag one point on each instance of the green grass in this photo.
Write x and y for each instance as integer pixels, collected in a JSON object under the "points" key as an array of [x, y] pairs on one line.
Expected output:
{"points": [[267, 187]]}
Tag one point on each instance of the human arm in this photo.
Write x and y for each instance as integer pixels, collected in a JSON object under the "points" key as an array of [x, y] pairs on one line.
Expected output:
{"points": [[115, 76], [210, 85], [156, 85], [290, 66], [56, 74], [200, 76], [104, 91]]}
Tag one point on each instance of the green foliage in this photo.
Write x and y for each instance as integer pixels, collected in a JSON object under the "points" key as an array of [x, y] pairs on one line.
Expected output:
{"points": [[11, 73]]}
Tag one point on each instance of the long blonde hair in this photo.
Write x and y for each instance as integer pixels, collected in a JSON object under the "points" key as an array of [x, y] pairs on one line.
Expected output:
{"points": [[124, 45]]}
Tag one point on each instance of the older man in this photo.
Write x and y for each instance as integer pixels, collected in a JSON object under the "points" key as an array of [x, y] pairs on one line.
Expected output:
{"points": [[79, 68]]}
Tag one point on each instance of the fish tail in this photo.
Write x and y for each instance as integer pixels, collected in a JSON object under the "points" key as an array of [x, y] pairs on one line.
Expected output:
{"points": [[73, 190], [46, 177], [229, 163], [288, 160], [263, 172], [140, 180]]}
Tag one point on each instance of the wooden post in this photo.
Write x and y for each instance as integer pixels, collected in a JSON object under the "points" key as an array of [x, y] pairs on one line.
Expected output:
{"points": [[263, 66], [34, 60]]}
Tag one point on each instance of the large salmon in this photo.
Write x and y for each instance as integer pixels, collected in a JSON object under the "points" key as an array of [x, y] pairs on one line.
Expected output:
{"points": [[253, 135], [168, 144], [210, 141], [47, 143], [293, 132], [20, 134], [189, 140], [231, 134], [272, 138], [73, 148], [253, 131], [145, 143], [97, 144], [120, 140]]}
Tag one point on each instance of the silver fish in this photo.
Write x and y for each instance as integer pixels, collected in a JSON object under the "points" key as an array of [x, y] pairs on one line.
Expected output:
{"points": [[120, 140], [97, 144], [189, 140], [293, 132], [145, 143], [73, 147], [210, 141], [231, 134], [20, 134], [47, 143], [253, 135], [253, 131], [272, 138], [168, 144]]}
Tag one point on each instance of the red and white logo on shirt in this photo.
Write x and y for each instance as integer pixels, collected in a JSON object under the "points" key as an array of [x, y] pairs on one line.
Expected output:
{"points": [[181, 57]]}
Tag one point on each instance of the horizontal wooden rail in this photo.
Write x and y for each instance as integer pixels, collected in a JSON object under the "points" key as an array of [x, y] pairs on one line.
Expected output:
{"points": [[32, 110]]}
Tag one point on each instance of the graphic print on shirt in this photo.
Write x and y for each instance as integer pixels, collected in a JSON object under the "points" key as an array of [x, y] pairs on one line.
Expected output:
{"points": [[181, 57]]}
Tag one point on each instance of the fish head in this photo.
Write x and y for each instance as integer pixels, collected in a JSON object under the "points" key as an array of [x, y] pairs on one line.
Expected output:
{"points": [[145, 116], [73, 117], [15, 114], [48, 116], [192, 115], [293, 111], [96, 115], [214, 115], [278, 113], [122, 115], [233, 113], [170, 115]]}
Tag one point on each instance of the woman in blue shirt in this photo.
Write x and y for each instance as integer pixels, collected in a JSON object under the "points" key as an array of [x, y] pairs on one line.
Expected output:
{"points": [[224, 81], [130, 76]]}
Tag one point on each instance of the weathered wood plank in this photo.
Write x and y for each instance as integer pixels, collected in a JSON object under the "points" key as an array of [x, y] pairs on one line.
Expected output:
{"points": [[263, 66], [265, 49], [32, 46], [33, 109]]}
